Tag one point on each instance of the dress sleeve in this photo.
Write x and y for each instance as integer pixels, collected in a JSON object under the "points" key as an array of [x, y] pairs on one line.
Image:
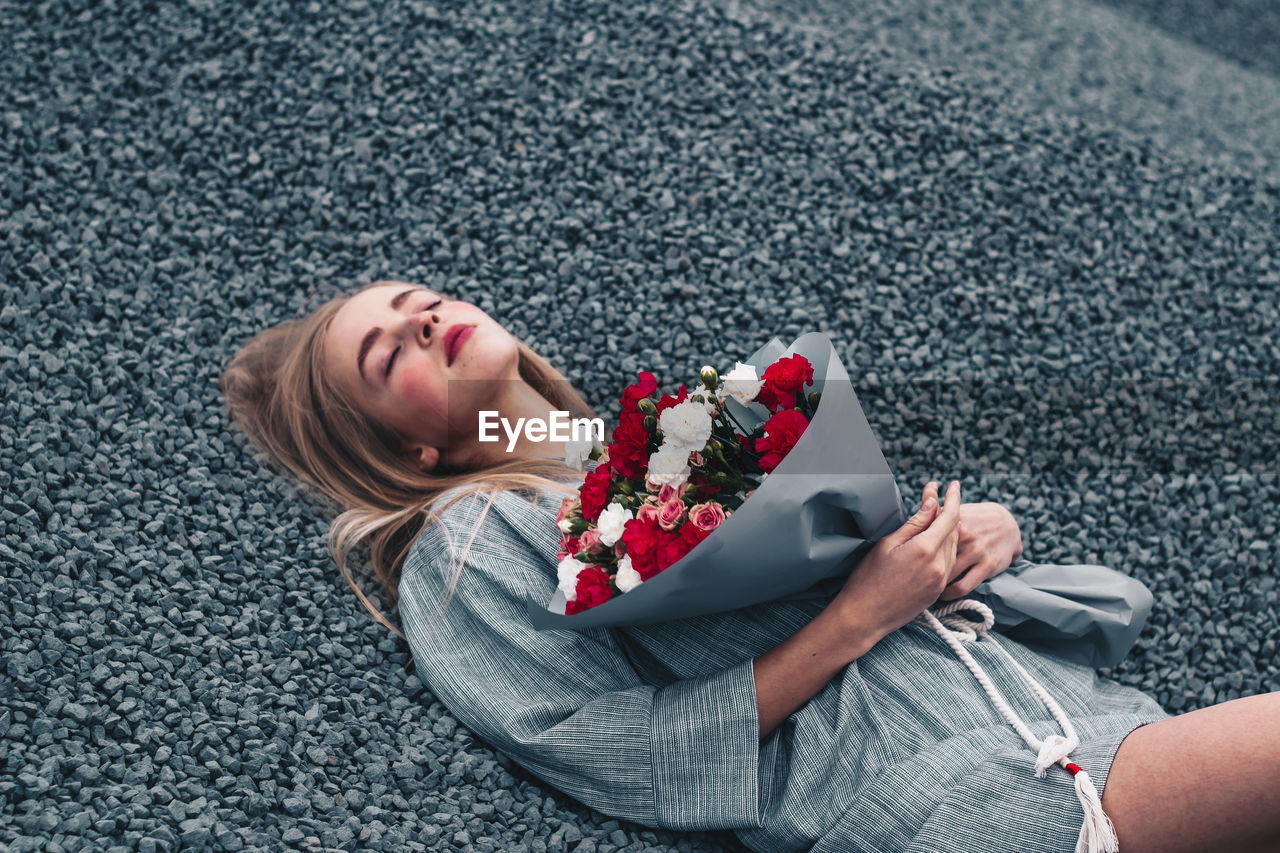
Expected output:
{"points": [[567, 705]]}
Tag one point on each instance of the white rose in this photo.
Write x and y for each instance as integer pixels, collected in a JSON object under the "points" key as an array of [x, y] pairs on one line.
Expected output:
{"points": [[576, 452], [741, 384], [687, 424], [611, 523], [670, 465], [627, 578], [568, 573]]}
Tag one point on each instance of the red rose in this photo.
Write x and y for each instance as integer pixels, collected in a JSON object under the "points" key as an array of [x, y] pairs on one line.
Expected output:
{"points": [[592, 589], [782, 431], [641, 538], [671, 548], [646, 387], [706, 488], [668, 401], [783, 380], [627, 453], [595, 492], [693, 534], [568, 545]]}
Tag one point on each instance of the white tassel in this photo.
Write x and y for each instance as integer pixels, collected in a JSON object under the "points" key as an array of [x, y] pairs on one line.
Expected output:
{"points": [[1098, 833]]}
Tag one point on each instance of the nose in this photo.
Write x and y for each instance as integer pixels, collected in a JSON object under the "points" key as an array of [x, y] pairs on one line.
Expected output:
{"points": [[425, 324]]}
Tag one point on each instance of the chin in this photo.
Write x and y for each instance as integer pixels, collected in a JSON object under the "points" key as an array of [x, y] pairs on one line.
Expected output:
{"points": [[504, 349], [491, 352]]}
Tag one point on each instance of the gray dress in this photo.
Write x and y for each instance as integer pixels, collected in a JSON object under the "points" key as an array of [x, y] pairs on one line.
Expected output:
{"points": [[902, 751]]}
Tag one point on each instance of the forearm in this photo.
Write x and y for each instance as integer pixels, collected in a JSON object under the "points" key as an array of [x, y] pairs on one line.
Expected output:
{"points": [[792, 672]]}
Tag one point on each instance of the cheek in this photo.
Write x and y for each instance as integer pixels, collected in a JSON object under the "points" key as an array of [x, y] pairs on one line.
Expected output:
{"points": [[424, 394]]}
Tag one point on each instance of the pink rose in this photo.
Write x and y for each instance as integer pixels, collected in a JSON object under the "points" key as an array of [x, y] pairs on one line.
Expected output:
{"points": [[670, 514], [590, 542], [669, 492], [706, 516], [648, 512], [565, 506]]}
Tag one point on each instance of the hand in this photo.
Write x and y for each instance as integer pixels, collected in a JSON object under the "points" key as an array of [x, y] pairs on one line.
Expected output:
{"points": [[989, 543], [904, 572]]}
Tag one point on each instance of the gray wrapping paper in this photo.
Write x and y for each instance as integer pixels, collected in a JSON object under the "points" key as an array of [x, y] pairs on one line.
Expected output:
{"points": [[818, 513], [1086, 614]]}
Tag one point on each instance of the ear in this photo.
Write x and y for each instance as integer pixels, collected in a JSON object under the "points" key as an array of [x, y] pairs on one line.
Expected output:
{"points": [[424, 456]]}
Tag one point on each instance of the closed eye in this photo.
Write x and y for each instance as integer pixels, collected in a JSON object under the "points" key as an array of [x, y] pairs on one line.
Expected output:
{"points": [[386, 373]]}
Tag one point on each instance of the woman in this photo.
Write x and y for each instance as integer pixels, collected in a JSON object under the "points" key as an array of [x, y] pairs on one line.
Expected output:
{"points": [[829, 725]]}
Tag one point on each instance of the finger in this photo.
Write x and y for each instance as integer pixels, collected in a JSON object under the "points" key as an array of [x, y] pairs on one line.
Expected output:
{"points": [[965, 560], [960, 571], [930, 494], [966, 584], [944, 524], [929, 511], [968, 556], [923, 517]]}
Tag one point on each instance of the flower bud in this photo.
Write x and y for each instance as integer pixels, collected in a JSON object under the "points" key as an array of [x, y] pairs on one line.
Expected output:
{"points": [[650, 423], [646, 406], [814, 397], [709, 377]]}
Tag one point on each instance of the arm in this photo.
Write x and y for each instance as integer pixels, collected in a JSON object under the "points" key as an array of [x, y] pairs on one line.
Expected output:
{"points": [[566, 705], [791, 673]]}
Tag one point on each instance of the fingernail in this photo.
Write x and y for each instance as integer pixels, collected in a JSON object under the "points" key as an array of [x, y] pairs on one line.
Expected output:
{"points": [[928, 505]]}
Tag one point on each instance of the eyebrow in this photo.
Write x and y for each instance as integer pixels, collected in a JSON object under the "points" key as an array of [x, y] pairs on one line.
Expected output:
{"points": [[372, 335]]}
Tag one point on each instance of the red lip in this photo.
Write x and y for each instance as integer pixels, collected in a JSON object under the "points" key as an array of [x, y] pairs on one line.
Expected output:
{"points": [[453, 340]]}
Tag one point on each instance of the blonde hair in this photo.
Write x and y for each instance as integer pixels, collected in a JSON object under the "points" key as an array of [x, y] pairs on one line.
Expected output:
{"points": [[278, 392]]}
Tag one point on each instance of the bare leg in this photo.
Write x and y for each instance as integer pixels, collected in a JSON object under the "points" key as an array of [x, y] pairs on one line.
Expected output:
{"points": [[1200, 781]]}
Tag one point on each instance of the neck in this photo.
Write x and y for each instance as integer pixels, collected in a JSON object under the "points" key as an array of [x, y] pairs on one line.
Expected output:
{"points": [[522, 401]]}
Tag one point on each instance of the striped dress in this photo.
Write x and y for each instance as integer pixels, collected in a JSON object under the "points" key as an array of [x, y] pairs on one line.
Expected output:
{"points": [[902, 751]]}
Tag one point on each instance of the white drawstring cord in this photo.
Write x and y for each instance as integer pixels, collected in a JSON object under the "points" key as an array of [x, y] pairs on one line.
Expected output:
{"points": [[1098, 834]]}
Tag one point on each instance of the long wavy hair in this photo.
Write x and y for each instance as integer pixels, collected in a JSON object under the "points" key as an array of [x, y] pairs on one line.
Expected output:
{"points": [[278, 392]]}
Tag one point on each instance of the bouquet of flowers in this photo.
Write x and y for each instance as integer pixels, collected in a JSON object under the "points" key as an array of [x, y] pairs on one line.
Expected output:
{"points": [[679, 469], [693, 507], [768, 484]]}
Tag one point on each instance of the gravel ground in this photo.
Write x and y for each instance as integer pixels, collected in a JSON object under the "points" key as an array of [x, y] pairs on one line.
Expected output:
{"points": [[1104, 63], [1074, 319], [1246, 31]]}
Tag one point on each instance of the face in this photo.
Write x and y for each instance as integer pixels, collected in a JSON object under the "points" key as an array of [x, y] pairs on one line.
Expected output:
{"points": [[403, 380]]}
